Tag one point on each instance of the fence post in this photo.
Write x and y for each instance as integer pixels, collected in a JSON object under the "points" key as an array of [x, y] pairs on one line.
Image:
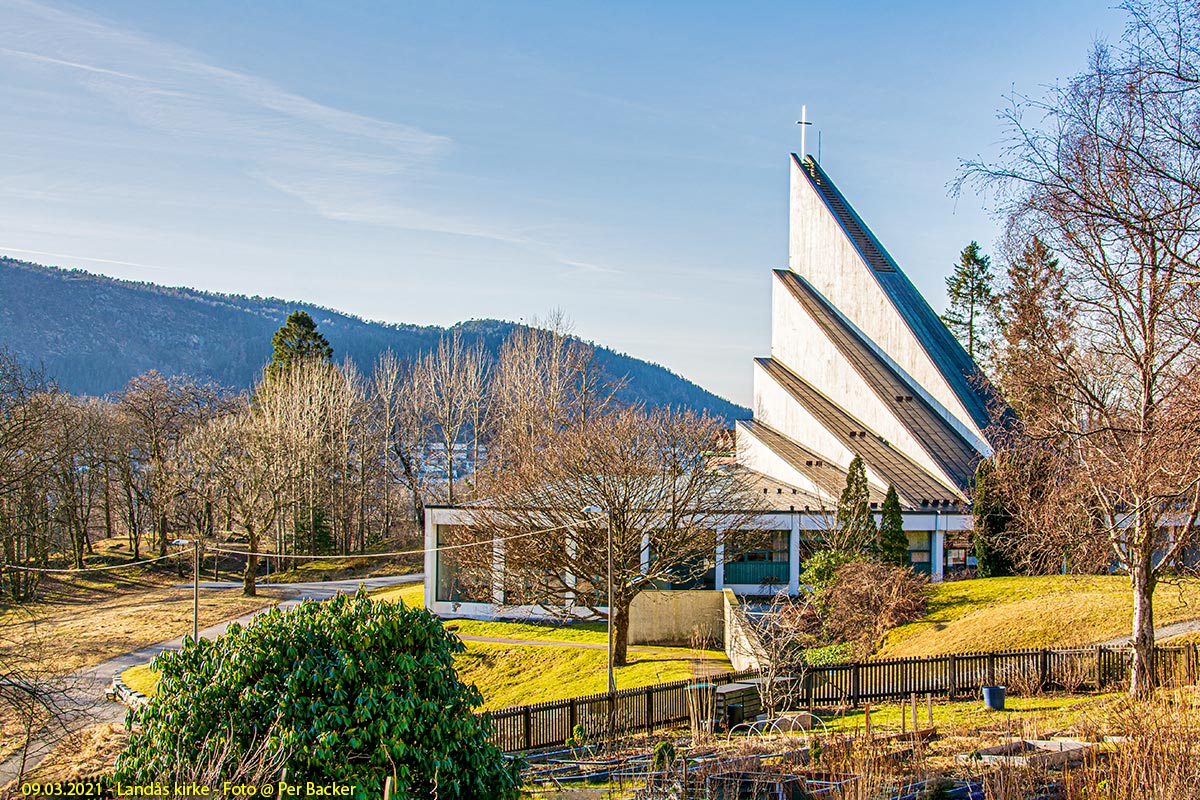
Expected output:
{"points": [[649, 708], [1044, 670], [573, 715], [953, 677], [1099, 668], [527, 720], [854, 686], [991, 669]]}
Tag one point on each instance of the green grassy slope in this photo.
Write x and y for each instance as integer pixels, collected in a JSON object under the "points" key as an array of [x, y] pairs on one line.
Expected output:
{"points": [[1019, 613]]}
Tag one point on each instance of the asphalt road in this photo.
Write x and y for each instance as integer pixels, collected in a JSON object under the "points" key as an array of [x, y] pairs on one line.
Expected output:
{"points": [[85, 704]]}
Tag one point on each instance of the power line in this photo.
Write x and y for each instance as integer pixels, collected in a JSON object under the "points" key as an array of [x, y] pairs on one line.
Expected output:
{"points": [[92, 569], [420, 552], [228, 551]]}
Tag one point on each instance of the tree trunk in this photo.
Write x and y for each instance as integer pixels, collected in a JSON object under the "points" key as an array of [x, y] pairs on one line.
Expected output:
{"points": [[1141, 678], [108, 512], [248, 587], [620, 627]]}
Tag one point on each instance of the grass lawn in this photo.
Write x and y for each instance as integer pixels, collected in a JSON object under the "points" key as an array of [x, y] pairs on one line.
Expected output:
{"points": [[338, 569], [514, 674], [1025, 613], [1045, 712], [413, 594], [82, 620], [511, 675], [141, 679]]}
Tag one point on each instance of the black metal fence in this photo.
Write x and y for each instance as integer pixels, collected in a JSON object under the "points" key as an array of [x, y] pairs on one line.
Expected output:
{"points": [[641, 709], [1093, 669]]}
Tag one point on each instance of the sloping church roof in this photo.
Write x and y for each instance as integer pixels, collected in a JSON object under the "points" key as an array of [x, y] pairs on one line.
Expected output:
{"points": [[946, 352], [881, 378]]}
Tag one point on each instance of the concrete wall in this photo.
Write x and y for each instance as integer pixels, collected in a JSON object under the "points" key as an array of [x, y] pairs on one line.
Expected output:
{"points": [[741, 643], [775, 407], [800, 343], [820, 251], [677, 617]]}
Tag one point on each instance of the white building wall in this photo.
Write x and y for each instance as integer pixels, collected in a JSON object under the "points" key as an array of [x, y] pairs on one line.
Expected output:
{"points": [[821, 251], [798, 342], [773, 406], [755, 455], [800, 524]]}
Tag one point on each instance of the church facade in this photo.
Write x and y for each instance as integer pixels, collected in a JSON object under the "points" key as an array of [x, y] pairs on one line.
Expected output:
{"points": [[859, 365]]}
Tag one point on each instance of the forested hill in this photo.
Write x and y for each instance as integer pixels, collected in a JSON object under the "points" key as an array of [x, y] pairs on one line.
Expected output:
{"points": [[91, 334]]}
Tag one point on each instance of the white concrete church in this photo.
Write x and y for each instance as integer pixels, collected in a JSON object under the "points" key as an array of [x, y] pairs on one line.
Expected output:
{"points": [[859, 364]]}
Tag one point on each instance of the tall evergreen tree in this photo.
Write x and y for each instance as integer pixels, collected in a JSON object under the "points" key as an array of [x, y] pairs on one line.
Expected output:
{"points": [[855, 522], [1037, 331], [297, 340], [971, 313], [991, 522], [893, 542]]}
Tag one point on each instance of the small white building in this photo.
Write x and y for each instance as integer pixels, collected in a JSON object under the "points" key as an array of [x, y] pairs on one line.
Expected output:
{"points": [[859, 365]]}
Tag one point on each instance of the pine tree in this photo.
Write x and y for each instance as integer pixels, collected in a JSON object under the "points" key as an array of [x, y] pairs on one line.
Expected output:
{"points": [[855, 522], [971, 313], [297, 340], [893, 541]]}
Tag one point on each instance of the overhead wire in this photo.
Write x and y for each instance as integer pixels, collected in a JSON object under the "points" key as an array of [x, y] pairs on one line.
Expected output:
{"points": [[231, 551]]}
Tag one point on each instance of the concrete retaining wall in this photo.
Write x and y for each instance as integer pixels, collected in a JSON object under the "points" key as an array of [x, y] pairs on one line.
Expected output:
{"points": [[741, 643], [677, 617]]}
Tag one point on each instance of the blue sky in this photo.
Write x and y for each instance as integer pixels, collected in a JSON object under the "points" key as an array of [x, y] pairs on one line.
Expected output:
{"points": [[625, 162]]}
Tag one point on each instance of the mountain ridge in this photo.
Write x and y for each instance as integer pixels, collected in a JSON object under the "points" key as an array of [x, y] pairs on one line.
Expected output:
{"points": [[91, 333]]}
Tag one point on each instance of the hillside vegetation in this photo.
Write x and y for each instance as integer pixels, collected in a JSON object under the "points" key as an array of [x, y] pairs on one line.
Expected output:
{"points": [[1019, 613], [91, 334]]}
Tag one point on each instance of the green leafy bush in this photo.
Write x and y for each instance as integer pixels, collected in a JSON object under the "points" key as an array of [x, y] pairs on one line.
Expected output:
{"points": [[347, 691], [821, 568]]}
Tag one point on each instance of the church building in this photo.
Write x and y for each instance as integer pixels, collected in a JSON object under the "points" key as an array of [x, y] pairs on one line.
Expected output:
{"points": [[859, 364]]}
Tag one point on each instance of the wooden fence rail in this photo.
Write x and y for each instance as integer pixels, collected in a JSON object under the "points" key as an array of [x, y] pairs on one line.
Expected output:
{"points": [[1093, 669]]}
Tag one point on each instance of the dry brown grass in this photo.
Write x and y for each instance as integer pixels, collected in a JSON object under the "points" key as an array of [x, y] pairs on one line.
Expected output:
{"points": [[83, 620], [335, 568], [12, 730], [1030, 613], [87, 753]]}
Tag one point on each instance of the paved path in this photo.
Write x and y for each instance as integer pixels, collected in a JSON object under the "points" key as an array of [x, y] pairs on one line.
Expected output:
{"points": [[549, 643], [1174, 629], [86, 703]]}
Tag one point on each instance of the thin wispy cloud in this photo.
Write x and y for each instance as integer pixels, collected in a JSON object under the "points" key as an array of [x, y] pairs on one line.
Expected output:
{"points": [[86, 259], [283, 138], [344, 166]]}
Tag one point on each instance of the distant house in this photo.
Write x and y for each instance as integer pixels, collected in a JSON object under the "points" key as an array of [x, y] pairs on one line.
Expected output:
{"points": [[859, 365]]}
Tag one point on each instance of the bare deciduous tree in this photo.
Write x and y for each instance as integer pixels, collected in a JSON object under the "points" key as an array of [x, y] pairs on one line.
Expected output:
{"points": [[661, 505], [1109, 178], [452, 376]]}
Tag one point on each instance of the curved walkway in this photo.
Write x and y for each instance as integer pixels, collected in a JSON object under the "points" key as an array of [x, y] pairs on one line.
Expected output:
{"points": [[1164, 632], [85, 698]]}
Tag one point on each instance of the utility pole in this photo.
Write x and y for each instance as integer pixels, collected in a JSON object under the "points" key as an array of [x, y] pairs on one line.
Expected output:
{"points": [[612, 682], [196, 590]]}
